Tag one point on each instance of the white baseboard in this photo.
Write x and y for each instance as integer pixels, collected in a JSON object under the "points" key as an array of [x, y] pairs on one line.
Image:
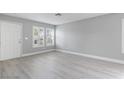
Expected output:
{"points": [[92, 56], [44, 51], [80, 54]]}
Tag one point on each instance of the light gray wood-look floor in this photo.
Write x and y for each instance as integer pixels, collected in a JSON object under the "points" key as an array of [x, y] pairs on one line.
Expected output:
{"points": [[57, 65]]}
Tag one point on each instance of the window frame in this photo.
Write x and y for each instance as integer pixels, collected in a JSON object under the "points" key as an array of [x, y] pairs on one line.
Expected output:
{"points": [[53, 38], [38, 36]]}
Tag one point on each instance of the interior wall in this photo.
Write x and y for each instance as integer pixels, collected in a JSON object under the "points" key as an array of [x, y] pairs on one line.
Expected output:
{"points": [[27, 32], [100, 36]]}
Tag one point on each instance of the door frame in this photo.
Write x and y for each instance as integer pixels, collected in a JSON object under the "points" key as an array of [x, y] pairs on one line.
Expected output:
{"points": [[19, 23]]}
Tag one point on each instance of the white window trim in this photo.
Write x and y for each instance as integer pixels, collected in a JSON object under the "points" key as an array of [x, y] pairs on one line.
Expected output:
{"points": [[122, 50], [36, 46], [53, 37]]}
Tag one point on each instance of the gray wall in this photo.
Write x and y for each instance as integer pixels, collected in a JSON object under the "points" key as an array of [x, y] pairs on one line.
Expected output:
{"points": [[100, 36], [27, 32]]}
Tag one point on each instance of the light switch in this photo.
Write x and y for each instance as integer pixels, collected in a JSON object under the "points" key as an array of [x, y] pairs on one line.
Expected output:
{"points": [[26, 38]]}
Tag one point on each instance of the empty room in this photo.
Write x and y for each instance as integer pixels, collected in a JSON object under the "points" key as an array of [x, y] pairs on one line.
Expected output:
{"points": [[61, 45]]}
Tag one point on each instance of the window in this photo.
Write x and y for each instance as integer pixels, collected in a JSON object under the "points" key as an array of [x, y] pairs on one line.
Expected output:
{"points": [[49, 37], [122, 36], [40, 39], [38, 36]]}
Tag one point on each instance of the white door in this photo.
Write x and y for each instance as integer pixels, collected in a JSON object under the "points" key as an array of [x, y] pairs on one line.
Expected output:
{"points": [[10, 40]]}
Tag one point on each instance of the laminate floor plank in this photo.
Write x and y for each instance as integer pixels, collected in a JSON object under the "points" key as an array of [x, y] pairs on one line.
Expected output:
{"points": [[58, 65]]}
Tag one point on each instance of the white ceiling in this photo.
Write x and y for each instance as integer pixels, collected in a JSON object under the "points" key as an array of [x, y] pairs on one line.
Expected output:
{"points": [[55, 20]]}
